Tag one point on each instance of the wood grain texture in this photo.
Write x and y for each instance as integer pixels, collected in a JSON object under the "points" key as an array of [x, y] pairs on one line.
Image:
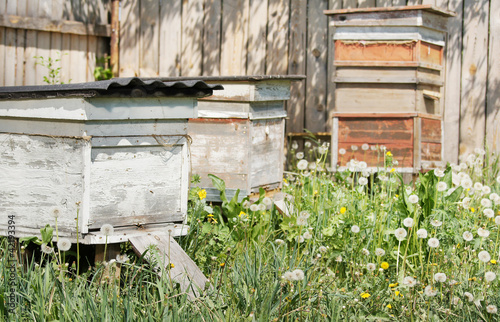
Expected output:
{"points": [[129, 38], [212, 37], [257, 37], [163, 250], [277, 37], [317, 53], [493, 95], [192, 36], [330, 97], [40, 172], [10, 52], [234, 38], [297, 65], [474, 75], [148, 38], [170, 38]]}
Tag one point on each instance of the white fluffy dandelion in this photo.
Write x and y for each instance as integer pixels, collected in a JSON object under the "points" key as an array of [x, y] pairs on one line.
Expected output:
{"points": [[55, 212], [484, 256], [413, 198], [300, 155], [433, 242], [354, 147], [362, 181], [497, 220], [483, 232], [304, 214], [408, 222], [429, 291], [208, 209], [107, 229], [298, 275], [371, 267], [46, 249], [422, 233], [486, 203], [307, 235], [441, 186], [379, 252], [338, 259], [365, 146], [490, 276], [409, 281], [440, 277], [439, 173], [288, 276], [492, 309], [122, 258], [301, 221], [488, 212], [302, 164], [467, 235], [466, 183], [355, 229], [436, 223], [262, 207], [279, 241], [400, 233], [365, 252], [254, 207], [342, 151], [469, 296], [486, 190], [63, 244], [267, 201], [322, 249]]}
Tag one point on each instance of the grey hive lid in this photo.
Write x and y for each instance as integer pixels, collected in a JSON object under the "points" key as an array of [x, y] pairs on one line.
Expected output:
{"points": [[116, 87]]}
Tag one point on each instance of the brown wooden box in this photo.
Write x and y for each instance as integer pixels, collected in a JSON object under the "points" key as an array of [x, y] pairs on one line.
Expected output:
{"points": [[412, 138]]}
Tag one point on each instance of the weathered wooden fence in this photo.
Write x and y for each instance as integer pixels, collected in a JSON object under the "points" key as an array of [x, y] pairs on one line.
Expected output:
{"points": [[247, 37], [76, 32]]}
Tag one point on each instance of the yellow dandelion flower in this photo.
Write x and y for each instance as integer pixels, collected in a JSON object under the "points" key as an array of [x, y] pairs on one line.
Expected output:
{"points": [[389, 306], [392, 170], [214, 221], [202, 194], [385, 265], [172, 265], [210, 215], [389, 154], [365, 295], [242, 213], [472, 209], [396, 293], [343, 210], [222, 264], [393, 285], [493, 261]]}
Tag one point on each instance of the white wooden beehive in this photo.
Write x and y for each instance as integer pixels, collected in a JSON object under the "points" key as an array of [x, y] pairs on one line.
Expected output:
{"points": [[113, 153]]}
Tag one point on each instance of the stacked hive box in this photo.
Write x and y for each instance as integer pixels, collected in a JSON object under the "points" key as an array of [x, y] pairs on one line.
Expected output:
{"points": [[240, 133], [389, 83], [112, 152]]}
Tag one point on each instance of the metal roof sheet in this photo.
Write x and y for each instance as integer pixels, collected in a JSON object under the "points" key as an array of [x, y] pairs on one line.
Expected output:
{"points": [[116, 87]]}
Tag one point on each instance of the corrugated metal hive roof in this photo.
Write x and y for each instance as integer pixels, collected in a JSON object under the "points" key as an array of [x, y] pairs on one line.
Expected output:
{"points": [[116, 87]]}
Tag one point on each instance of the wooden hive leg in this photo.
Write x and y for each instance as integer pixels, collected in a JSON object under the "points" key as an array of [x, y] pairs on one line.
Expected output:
{"points": [[111, 251]]}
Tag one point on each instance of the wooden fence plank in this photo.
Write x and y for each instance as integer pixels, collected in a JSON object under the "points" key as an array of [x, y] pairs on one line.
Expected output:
{"points": [[10, 47], [234, 38], [365, 3], [443, 4], [11, 7], [431, 2], [317, 55], [257, 37], [383, 3], [91, 57], [211, 38], [399, 3], [451, 115], [474, 72], [2, 55], [170, 38], [66, 58], [3, 4], [149, 33], [413, 2], [349, 4], [20, 43], [192, 22], [493, 97], [297, 65], [330, 98], [29, 58], [277, 36], [129, 38]]}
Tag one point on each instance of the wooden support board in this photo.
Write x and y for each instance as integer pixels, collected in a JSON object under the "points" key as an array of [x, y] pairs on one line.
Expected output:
{"points": [[184, 270]]}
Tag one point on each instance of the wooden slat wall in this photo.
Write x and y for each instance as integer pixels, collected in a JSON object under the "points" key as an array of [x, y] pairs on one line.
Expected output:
{"points": [[78, 53], [244, 37]]}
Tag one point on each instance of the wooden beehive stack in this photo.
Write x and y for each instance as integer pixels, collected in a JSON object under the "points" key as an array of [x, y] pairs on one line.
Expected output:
{"points": [[239, 134], [389, 83]]}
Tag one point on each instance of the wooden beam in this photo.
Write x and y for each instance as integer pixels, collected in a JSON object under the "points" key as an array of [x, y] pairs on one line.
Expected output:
{"points": [[62, 26]]}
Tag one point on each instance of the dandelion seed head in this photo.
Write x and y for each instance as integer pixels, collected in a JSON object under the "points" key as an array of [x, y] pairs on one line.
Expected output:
{"points": [[122, 258], [422, 233], [300, 155], [413, 199], [484, 256], [469, 296], [440, 277], [483, 232], [107, 229], [490, 276], [429, 291], [433, 242], [64, 244], [436, 223], [408, 222], [439, 173], [409, 281], [365, 252], [488, 212], [302, 164], [298, 275], [497, 220], [307, 235], [379, 252], [371, 267], [467, 235], [304, 214], [46, 249], [55, 212], [441, 186], [362, 181], [400, 233], [492, 309]]}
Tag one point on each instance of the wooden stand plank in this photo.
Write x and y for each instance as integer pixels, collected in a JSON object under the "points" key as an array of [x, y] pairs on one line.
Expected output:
{"points": [[184, 270]]}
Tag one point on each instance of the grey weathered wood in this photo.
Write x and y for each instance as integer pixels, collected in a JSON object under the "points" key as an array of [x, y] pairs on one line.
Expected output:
{"points": [[48, 24], [315, 108], [192, 22], [297, 65], [170, 38], [2, 55], [129, 38], [163, 250], [234, 38], [493, 94], [277, 34], [10, 51], [474, 75], [148, 37], [257, 37], [212, 38]]}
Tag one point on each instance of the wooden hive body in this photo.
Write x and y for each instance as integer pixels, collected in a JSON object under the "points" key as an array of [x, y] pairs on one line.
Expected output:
{"points": [[117, 160], [390, 61], [239, 135]]}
